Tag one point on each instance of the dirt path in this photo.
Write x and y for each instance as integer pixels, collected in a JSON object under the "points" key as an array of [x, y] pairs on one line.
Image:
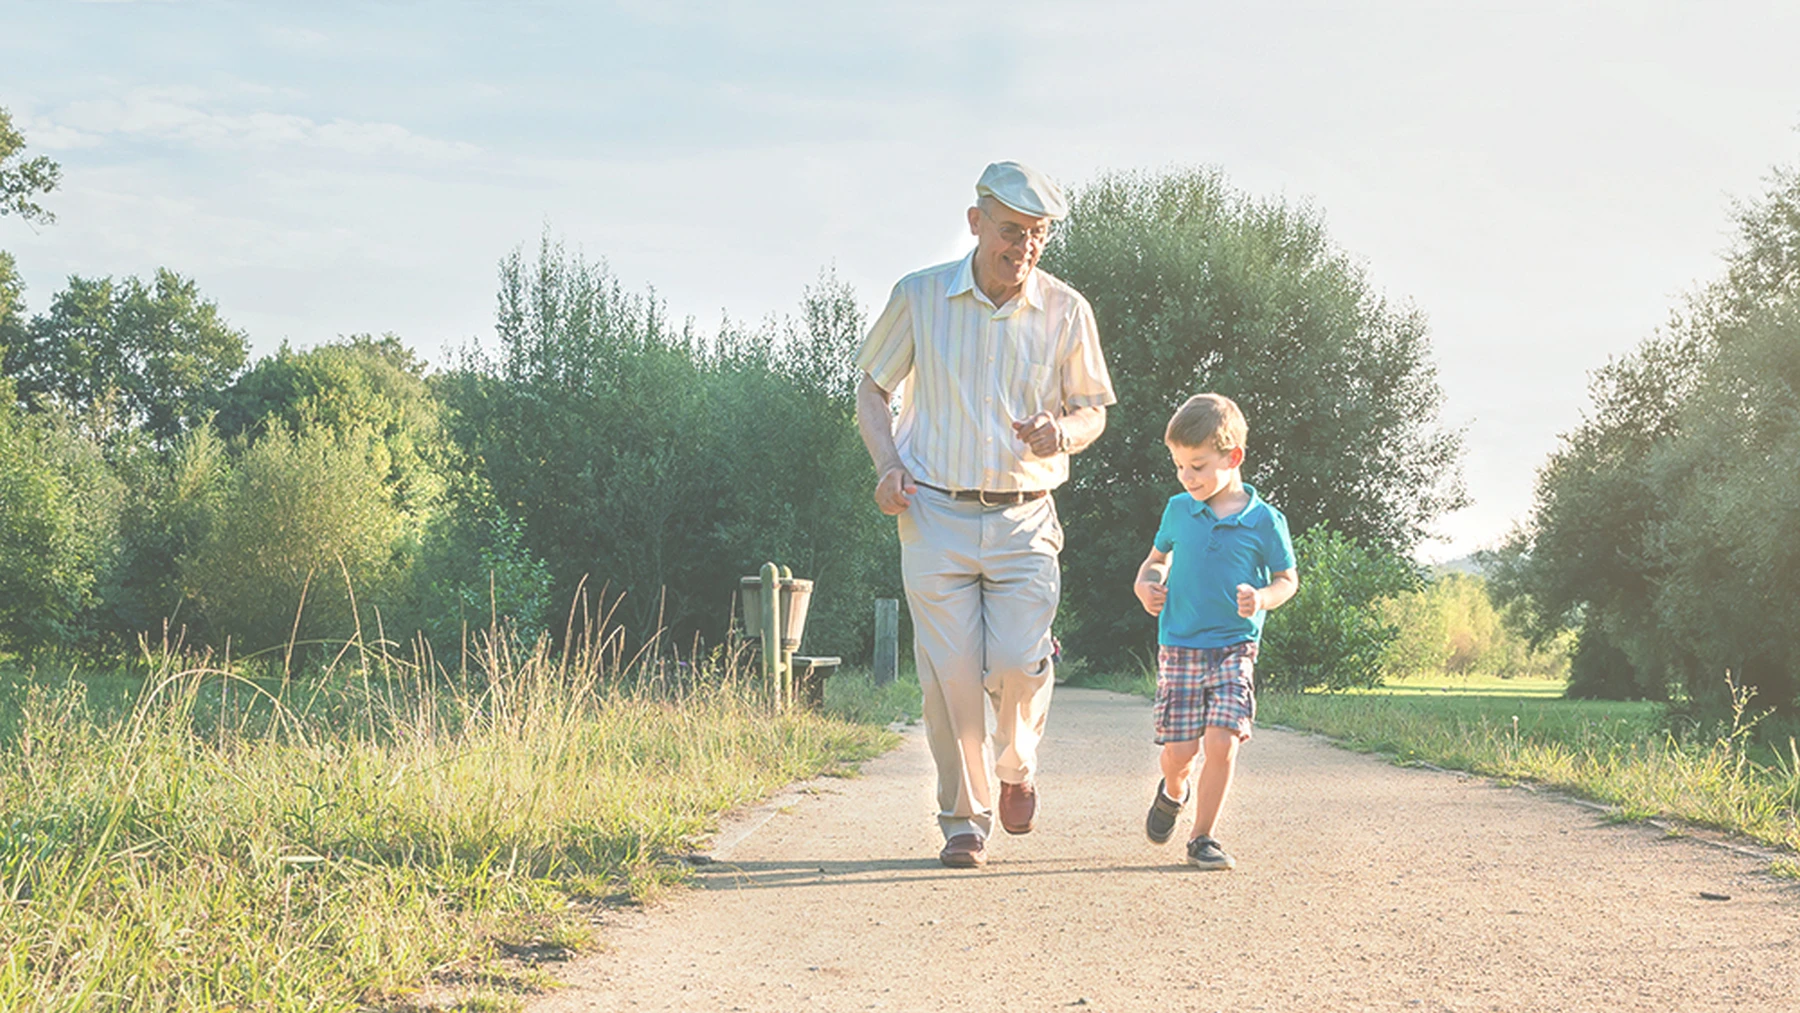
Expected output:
{"points": [[1359, 886]]}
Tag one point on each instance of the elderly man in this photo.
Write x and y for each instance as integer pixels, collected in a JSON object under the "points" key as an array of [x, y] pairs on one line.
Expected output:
{"points": [[998, 369]]}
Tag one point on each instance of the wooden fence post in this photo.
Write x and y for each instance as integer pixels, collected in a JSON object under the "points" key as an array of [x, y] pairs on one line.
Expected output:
{"points": [[887, 640]]}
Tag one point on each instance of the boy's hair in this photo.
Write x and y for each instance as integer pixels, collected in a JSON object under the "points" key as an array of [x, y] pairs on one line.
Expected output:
{"points": [[1207, 420]]}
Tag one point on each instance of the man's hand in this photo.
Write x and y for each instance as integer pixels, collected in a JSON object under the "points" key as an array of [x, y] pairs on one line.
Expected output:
{"points": [[1249, 600], [1152, 595], [894, 492], [1042, 434]]}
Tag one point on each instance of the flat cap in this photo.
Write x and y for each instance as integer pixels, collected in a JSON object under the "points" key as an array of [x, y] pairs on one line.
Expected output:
{"points": [[1023, 189]]}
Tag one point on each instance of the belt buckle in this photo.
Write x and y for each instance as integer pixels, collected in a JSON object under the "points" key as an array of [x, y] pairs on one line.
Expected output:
{"points": [[1000, 498], [981, 496]]}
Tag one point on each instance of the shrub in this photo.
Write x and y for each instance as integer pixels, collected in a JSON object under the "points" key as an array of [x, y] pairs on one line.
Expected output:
{"points": [[1333, 633], [306, 522]]}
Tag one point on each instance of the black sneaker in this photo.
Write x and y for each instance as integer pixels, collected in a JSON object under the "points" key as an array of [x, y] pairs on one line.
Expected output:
{"points": [[1160, 823], [1205, 853]]}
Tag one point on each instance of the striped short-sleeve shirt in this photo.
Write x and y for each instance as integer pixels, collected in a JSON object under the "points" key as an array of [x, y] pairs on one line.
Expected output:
{"points": [[964, 370]]}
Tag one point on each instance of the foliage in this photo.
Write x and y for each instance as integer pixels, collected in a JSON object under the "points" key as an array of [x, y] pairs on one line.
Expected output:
{"points": [[1452, 625], [12, 303], [1199, 288], [305, 526], [173, 495], [1333, 634], [58, 510], [647, 460], [22, 179], [358, 384], [1665, 524], [474, 573], [129, 354], [1599, 670]]}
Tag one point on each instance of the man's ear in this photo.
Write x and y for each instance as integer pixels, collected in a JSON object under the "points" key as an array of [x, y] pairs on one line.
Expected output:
{"points": [[974, 219], [1236, 457]]}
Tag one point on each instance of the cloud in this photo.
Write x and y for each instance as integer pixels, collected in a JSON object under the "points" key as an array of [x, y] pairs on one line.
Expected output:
{"points": [[293, 38], [181, 115], [42, 133]]}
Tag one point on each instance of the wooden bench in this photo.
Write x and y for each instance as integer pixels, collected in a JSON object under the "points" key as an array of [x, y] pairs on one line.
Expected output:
{"points": [[809, 679]]}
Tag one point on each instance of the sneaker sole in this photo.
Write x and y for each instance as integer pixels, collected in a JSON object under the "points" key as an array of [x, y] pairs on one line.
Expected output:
{"points": [[1213, 866]]}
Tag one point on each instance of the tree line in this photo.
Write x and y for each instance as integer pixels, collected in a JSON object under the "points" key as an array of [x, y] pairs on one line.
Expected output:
{"points": [[600, 456], [1666, 526]]}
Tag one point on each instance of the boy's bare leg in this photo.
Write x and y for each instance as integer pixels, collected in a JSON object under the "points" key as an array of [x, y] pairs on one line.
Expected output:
{"points": [[1177, 767], [1221, 746]]}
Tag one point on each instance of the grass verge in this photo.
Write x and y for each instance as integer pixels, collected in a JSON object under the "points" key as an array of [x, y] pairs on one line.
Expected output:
{"points": [[365, 839], [1616, 753]]}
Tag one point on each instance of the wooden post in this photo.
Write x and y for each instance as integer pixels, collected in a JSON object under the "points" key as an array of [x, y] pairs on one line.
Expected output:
{"points": [[771, 631], [887, 640]]}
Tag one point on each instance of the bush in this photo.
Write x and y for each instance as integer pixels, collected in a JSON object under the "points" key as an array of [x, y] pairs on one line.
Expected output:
{"points": [[1333, 633], [59, 512], [306, 521], [1599, 670], [1452, 625], [474, 572]]}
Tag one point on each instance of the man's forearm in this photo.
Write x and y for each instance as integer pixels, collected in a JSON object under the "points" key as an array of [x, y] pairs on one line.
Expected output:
{"points": [[875, 421], [1082, 427]]}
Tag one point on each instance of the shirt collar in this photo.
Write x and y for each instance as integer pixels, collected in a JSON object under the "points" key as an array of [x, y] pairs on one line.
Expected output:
{"points": [[1200, 508], [963, 283]]}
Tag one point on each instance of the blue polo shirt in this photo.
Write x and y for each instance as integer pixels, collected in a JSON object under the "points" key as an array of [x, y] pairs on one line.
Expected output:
{"points": [[1210, 557]]}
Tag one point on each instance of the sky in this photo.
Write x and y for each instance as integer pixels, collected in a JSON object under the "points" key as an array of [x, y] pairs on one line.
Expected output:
{"points": [[1545, 181]]}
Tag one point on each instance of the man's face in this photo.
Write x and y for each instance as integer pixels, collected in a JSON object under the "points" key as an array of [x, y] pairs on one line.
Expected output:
{"points": [[1008, 243]]}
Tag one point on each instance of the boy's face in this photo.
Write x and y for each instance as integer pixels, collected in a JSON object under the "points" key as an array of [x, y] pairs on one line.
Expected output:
{"points": [[1205, 471]]}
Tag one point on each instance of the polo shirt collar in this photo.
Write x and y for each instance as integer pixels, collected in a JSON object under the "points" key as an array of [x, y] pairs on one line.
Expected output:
{"points": [[963, 283], [1201, 509]]}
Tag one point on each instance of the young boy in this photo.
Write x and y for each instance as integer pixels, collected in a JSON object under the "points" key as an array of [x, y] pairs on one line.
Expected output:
{"points": [[1222, 558]]}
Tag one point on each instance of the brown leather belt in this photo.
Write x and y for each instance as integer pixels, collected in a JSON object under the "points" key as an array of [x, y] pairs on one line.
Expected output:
{"points": [[986, 498]]}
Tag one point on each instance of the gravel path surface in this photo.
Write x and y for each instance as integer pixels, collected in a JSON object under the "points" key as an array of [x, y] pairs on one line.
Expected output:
{"points": [[1360, 886]]}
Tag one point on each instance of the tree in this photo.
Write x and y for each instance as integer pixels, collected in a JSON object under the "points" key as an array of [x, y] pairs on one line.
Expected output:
{"points": [[59, 508], [1199, 288], [1452, 625], [173, 496], [304, 527], [655, 463], [12, 303], [1665, 523], [153, 355], [360, 383], [21, 179]]}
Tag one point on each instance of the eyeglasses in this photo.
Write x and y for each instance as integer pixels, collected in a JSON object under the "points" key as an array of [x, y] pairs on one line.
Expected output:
{"points": [[1012, 235]]}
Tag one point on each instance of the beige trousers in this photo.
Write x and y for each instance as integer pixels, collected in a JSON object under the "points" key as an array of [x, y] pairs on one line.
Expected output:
{"points": [[982, 584]]}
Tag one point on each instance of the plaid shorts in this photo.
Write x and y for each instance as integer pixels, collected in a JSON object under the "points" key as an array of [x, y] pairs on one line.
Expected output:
{"points": [[1204, 687]]}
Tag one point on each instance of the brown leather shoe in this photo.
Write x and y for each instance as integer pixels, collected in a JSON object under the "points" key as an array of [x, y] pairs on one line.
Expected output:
{"points": [[964, 851], [1018, 807]]}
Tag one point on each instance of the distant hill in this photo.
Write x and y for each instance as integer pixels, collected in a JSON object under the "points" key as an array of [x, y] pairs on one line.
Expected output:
{"points": [[1461, 564]]}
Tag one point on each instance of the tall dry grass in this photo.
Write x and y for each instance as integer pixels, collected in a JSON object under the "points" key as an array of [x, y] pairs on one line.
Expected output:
{"points": [[347, 839]]}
